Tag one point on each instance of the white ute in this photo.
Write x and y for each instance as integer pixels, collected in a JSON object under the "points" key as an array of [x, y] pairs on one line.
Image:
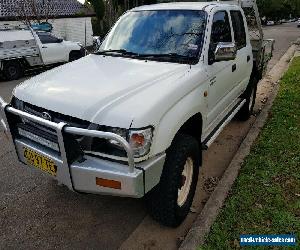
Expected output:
{"points": [[22, 49], [133, 118]]}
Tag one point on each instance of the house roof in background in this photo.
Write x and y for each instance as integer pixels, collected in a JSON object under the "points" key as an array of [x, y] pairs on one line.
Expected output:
{"points": [[12, 9]]}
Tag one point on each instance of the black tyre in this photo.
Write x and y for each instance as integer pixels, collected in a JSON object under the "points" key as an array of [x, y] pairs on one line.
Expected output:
{"points": [[74, 55], [12, 70], [170, 201], [250, 95]]}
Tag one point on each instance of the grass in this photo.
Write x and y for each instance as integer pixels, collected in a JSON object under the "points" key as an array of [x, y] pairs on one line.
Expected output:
{"points": [[265, 198]]}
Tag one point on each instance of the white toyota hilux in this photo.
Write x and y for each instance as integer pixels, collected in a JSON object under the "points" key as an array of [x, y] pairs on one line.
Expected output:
{"points": [[133, 118]]}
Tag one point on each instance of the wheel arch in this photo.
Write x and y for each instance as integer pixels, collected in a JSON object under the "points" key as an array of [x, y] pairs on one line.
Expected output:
{"points": [[21, 61], [191, 125], [256, 71], [189, 109], [74, 52]]}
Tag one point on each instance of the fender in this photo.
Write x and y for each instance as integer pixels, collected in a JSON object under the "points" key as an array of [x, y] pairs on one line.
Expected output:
{"points": [[177, 116]]}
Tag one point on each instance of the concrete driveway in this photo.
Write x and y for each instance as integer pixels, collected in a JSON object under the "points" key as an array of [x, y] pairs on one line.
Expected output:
{"points": [[37, 213]]}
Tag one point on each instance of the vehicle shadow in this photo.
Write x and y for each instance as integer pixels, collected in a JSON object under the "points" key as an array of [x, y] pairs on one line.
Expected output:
{"points": [[52, 215]]}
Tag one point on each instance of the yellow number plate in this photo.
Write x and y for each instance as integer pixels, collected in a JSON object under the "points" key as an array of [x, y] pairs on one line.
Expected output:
{"points": [[40, 161]]}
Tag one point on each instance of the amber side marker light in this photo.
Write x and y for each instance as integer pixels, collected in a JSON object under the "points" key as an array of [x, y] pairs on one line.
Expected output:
{"points": [[108, 183]]}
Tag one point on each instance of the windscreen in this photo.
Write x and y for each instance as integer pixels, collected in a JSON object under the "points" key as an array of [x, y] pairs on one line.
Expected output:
{"points": [[158, 32]]}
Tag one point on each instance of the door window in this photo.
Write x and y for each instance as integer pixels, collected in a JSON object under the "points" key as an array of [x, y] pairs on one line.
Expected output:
{"points": [[47, 38], [238, 28], [221, 31]]}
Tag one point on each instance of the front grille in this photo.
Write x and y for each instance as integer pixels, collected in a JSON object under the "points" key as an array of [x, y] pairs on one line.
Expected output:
{"points": [[74, 145], [34, 130], [38, 136], [55, 117], [38, 132]]}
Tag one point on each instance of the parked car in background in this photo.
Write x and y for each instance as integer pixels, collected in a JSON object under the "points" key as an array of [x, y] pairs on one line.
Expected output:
{"points": [[56, 50], [23, 49], [298, 23], [269, 23]]}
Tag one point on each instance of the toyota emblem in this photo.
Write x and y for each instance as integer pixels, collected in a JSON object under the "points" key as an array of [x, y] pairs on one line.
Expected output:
{"points": [[46, 116]]}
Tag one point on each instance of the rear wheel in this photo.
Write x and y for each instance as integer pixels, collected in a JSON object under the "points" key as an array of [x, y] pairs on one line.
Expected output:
{"points": [[12, 70], [170, 201], [250, 96]]}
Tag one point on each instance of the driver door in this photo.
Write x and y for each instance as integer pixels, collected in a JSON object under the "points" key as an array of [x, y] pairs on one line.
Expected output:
{"points": [[53, 49], [223, 73]]}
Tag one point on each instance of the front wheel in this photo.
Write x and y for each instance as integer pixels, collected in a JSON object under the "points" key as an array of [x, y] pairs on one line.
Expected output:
{"points": [[170, 201]]}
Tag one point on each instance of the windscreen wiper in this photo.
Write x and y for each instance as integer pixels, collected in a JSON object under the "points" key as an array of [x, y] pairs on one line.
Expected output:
{"points": [[115, 51], [168, 55]]}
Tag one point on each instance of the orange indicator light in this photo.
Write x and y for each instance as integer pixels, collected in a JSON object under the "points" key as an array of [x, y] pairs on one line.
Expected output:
{"points": [[138, 139], [108, 183]]}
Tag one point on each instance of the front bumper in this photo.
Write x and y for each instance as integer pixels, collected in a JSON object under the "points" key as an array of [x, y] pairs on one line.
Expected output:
{"points": [[80, 175]]}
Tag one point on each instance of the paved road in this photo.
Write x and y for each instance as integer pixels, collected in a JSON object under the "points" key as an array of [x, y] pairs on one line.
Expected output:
{"points": [[284, 35], [36, 213]]}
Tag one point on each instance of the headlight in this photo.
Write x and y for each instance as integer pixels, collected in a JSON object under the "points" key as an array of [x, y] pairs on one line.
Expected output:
{"points": [[140, 141]]}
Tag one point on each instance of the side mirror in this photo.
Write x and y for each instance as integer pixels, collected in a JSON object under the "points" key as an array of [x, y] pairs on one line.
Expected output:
{"points": [[225, 52]]}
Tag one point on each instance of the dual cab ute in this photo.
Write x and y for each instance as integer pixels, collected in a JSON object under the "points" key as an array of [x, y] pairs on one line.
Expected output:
{"points": [[133, 118], [22, 49]]}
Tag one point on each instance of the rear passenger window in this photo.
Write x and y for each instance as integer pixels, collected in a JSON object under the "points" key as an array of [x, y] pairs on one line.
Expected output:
{"points": [[221, 31], [238, 28]]}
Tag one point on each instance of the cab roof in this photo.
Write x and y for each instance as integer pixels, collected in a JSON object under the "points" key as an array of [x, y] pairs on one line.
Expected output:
{"points": [[182, 6]]}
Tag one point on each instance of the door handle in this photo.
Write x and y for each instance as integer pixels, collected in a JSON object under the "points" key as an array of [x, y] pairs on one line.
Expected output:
{"points": [[248, 58], [233, 67], [44, 47]]}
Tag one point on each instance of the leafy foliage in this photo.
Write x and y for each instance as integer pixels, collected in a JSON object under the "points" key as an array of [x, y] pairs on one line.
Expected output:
{"points": [[108, 11], [278, 9], [98, 7]]}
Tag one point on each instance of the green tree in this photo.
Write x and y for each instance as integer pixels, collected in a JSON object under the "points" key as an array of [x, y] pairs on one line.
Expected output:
{"points": [[278, 9], [98, 6], [97, 22]]}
